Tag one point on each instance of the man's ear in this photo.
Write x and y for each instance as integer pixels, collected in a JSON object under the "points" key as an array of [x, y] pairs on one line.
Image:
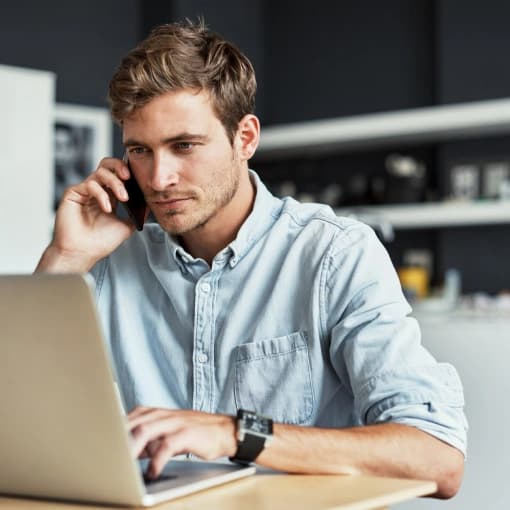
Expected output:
{"points": [[247, 136]]}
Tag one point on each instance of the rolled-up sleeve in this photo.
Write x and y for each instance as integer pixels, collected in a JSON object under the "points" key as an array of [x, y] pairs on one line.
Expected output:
{"points": [[376, 347]]}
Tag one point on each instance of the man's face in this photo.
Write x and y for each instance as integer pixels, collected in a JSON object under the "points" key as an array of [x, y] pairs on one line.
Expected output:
{"points": [[182, 159]]}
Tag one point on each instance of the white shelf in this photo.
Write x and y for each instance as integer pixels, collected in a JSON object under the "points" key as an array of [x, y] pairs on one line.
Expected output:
{"points": [[417, 125], [430, 215]]}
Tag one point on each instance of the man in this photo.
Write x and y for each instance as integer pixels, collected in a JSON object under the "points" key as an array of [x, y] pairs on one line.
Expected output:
{"points": [[235, 299]]}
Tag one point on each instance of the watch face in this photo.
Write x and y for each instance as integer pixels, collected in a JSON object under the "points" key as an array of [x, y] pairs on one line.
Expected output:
{"points": [[257, 424]]}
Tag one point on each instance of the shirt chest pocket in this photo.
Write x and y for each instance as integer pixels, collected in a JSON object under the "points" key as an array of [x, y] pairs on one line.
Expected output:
{"points": [[273, 378]]}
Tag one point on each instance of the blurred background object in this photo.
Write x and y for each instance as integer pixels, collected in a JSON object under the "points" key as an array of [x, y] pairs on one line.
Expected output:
{"points": [[465, 182], [405, 179], [415, 274]]}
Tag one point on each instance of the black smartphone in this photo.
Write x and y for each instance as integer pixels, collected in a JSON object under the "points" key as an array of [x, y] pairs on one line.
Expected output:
{"points": [[136, 206]]}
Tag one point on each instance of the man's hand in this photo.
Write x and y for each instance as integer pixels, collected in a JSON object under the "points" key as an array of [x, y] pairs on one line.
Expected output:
{"points": [[161, 434], [86, 227]]}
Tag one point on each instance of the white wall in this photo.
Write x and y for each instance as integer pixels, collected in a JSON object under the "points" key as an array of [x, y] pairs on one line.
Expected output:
{"points": [[479, 347], [27, 99]]}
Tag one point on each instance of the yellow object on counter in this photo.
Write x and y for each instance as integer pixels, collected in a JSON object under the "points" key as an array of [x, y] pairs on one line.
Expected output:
{"points": [[414, 281]]}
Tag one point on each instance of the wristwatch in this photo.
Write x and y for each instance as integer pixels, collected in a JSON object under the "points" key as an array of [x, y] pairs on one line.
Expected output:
{"points": [[254, 433]]}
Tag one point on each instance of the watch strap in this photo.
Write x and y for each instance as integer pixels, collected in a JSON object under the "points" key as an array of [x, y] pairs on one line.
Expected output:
{"points": [[251, 442], [249, 449]]}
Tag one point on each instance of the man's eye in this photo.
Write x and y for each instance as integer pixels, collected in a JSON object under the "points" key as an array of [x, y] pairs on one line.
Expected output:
{"points": [[137, 152], [184, 146]]}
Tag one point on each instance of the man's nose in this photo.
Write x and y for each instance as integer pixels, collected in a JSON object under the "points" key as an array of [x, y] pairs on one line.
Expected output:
{"points": [[165, 172]]}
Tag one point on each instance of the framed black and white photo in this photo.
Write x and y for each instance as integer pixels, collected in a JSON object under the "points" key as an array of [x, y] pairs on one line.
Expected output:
{"points": [[83, 136]]}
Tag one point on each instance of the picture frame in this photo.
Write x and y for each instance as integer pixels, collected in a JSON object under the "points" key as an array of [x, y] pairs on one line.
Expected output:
{"points": [[83, 136]]}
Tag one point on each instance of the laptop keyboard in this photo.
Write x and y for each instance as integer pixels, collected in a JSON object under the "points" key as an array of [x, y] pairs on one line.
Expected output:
{"points": [[159, 479]]}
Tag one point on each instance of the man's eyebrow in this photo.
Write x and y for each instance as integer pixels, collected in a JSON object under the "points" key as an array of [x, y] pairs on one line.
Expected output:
{"points": [[130, 142]]}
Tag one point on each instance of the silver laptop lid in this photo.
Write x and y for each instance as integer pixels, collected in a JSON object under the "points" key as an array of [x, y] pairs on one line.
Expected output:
{"points": [[62, 431]]}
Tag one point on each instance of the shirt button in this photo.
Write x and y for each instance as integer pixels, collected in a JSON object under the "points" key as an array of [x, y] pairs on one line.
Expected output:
{"points": [[203, 358], [205, 287]]}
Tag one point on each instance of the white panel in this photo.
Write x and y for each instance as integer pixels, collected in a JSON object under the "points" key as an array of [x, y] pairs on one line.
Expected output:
{"points": [[26, 166], [478, 344]]}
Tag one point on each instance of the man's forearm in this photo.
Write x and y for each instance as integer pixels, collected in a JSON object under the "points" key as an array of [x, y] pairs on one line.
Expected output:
{"points": [[384, 450]]}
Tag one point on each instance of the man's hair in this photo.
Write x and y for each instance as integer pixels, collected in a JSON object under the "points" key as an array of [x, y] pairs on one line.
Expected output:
{"points": [[185, 56]]}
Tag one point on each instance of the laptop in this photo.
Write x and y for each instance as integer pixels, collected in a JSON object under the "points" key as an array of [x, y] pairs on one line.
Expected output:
{"points": [[63, 430]]}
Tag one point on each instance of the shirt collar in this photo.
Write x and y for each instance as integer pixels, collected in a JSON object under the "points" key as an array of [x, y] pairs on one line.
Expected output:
{"points": [[265, 211]]}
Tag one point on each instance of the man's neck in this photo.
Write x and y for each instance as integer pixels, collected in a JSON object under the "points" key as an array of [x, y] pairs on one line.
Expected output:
{"points": [[206, 241]]}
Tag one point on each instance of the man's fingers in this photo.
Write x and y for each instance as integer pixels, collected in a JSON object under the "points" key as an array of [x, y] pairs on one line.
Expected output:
{"points": [[109, 179], [138, 411], [165, 449], [95, 190], [78, 194], [147, 432], [89, 190], [141, 415], [115, 166]]}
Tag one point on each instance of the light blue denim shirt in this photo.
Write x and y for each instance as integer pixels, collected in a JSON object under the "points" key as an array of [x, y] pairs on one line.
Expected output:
{"points": [[300, 318]]}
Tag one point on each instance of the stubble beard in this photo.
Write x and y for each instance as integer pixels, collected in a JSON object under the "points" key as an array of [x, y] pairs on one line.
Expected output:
{"points": [[205, 205]]}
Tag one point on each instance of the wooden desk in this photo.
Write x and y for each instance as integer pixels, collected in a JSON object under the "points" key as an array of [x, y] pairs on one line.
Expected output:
{"points": [[273, 492]]}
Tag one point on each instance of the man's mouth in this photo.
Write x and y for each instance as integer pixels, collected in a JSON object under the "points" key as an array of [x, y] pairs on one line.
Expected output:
{"points": [[171, 203]]}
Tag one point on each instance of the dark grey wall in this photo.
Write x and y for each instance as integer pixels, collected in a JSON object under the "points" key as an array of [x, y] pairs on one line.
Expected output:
{"points": [[327, 58], [81, 42], [472, 58]]}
